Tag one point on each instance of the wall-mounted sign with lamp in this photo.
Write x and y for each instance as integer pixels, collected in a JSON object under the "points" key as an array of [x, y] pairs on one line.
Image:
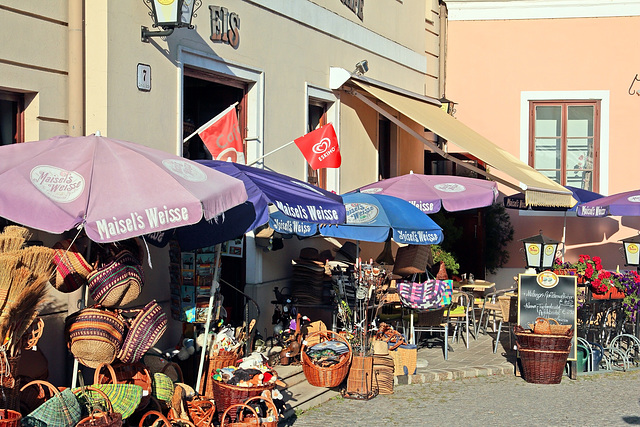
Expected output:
{"points": [[169, 15], [540, 251], [631, 247]]}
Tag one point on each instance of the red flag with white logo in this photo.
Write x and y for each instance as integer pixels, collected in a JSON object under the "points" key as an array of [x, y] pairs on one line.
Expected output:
{"points": [[320, 148], [221, 136]]}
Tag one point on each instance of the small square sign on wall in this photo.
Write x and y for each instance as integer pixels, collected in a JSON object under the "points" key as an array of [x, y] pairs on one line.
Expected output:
{"points": [[144, 77]]}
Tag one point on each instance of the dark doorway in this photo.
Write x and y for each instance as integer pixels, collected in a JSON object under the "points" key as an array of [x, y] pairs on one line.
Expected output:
{"points": [[205, 96]]}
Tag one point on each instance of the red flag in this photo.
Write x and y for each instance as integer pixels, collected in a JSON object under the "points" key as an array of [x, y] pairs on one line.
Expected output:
{"points": [[221, 136], [320, 148]]}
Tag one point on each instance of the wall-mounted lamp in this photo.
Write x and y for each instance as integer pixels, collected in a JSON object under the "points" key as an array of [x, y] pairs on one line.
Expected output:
{"points": [[169, 15], [448, 106], [362, 67], [540, 251]]}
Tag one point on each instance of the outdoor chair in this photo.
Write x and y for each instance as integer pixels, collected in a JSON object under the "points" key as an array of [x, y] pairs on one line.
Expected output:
{"points": [[497, 307], [433, 321], [461, 314]]}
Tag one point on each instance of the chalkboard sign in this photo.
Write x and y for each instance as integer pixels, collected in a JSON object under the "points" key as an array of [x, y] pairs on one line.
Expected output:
{"points": [[551, 296]]}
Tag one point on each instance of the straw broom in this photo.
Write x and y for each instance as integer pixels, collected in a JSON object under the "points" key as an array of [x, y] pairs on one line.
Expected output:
{"points": [[17, 231], [10, 243], [8, 264], [20, 312], [38, 259]]}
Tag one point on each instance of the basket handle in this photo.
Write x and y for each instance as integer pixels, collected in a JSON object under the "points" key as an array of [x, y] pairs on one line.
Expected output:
{"points": [[240, 412], [100, 392], [157, 414], [41, 382], [271, 406], [112, 372], [177, 368], [551, 319]]}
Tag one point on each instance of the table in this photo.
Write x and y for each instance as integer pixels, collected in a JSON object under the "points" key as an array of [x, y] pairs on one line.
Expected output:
{"points": [[478, 288]]}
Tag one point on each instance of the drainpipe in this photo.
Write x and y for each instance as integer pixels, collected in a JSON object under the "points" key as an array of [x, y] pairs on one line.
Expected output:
{"points": [[76, 76], [442, 51]]}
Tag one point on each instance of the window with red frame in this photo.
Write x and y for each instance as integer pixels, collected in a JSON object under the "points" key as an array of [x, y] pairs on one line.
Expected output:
{"points": [[564, 141]]}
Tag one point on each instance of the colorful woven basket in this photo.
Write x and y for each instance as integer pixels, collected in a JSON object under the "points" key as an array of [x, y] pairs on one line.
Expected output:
{"points": [[117, 283], [127, 373], [61, 410], [94, 335], [146, 328], [71, 267]]}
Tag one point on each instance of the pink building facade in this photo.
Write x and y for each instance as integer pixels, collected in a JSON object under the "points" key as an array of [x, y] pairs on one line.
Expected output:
{"points": [[555, 83]]}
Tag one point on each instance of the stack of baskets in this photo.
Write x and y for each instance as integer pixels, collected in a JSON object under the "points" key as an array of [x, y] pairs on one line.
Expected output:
{"points": [[544, 350], [383, 366]]}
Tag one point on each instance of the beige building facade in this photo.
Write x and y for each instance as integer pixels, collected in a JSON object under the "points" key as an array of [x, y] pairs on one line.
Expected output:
{"points": [[77, 67]]}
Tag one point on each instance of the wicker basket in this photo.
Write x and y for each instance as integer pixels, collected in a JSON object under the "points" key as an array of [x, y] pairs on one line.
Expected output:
{"points": [[545, 326], [529, 340], [226, 395], [240, 415], [326, 377], [268, 418], [127, 373], [405, 359], [360, 379], [509, 308], [543, 366], [412, 259], [221, 360], [9, 418]]}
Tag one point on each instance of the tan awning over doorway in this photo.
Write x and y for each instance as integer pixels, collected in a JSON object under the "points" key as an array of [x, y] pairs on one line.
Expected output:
{"points": [[539, 190]]}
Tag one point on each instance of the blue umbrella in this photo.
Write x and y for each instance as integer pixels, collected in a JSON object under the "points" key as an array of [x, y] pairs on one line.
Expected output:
{"points": [[294, 198], [283, 224], [373, 217]]}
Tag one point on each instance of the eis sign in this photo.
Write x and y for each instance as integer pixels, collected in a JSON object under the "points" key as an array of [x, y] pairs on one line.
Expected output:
{"points": [[225, 26]]}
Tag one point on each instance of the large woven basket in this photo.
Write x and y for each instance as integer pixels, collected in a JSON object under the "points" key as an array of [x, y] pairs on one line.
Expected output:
{"points": [[225, 395], [221, 360], [360, 378], [325, 377], [527, 339], [543, 366]]}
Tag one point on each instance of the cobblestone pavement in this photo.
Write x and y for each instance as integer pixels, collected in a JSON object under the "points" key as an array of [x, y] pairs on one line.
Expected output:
{"points": [[601, 399]]}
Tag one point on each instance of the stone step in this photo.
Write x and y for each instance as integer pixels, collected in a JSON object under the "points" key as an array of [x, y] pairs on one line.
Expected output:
{"points": [[303, 396]]}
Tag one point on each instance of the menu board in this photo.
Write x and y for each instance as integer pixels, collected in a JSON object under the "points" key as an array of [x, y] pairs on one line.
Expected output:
{"points": [[551, 296]]}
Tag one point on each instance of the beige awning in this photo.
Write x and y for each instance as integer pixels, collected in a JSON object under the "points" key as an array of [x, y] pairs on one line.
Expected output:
{"points": [[539, 190]]}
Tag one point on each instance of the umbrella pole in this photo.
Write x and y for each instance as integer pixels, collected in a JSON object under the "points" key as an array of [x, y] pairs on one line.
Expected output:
{"points": [[564, 234], [205, 344], [83, 302]]}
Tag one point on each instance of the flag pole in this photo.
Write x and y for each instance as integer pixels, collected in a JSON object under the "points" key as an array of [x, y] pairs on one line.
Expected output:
{"points": [[210, 122], [269, 153]]}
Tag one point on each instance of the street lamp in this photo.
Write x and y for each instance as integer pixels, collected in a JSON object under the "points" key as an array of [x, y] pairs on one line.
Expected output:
{"points": [[631, 247], [540, 251], [448, 106], [169, 15]]}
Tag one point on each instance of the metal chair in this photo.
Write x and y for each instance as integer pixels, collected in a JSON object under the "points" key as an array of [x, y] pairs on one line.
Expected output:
{"points": [[461, 314], [431, 321], [494, 307]]}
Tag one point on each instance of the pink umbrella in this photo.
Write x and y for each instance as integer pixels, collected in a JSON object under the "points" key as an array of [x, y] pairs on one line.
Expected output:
{"points": [[114, 189], [430, 193]]}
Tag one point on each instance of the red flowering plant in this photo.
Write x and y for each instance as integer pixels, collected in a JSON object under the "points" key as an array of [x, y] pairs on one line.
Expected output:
{"points": [[590, 269]]}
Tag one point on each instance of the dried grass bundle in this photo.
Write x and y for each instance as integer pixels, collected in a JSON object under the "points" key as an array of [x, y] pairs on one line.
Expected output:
{"points": [[38, 259], [17, 231], [8, 264], [21, 311], [10, 243]]}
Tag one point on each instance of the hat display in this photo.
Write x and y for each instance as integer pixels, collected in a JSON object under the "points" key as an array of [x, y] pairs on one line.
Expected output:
{"points": [[348, 252], [311, 280]]}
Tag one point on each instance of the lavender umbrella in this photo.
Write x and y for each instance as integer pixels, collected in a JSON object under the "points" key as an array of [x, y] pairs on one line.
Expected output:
{"points": [[114, 189], [620, 204], [430, 193]]}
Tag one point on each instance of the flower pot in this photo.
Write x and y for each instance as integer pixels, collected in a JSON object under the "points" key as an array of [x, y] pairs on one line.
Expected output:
{"points": [[612, 293]]}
